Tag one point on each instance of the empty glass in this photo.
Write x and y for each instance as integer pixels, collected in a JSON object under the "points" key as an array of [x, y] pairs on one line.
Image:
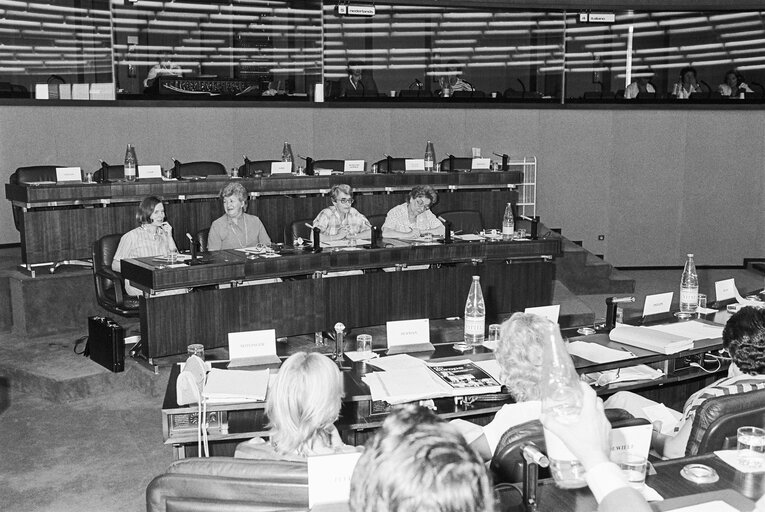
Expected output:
{"points": [[364, 343], [751, 446], [196, 349]]}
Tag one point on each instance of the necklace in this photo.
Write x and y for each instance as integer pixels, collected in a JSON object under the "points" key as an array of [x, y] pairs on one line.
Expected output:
{"points": [[233, 226], [157, 232]]}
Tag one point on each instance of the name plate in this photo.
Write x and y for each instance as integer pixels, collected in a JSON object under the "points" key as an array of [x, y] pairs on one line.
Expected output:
{"points": [[657, 303], [414, 164], [549, 312], [725, 289], [149, 171], [281, 167], [481, 164], [68, 174], [353, 166], [252, 347], [408, 332], [322, 172]]}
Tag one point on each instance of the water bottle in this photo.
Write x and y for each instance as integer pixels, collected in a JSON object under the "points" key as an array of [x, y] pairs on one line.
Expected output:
{"points": [[475, 314], [287, 154], [689, 287], [131, 163], [508, 223], [562, 400], [430, 157]]}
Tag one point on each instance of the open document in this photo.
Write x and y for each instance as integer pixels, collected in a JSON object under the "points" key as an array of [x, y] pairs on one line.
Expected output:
{"points": [[432, 380]]}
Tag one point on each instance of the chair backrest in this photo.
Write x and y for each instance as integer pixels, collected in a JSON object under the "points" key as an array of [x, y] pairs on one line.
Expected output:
{"points": [[507, 463], [34, 174], [714, 426], [226, 483], [298, 229], [335, 165], [256, 168], [467, 221], [113, 172], [106, 280], [377, 220], [201, 239], [460, 164], [199, 169], [396, 165]]}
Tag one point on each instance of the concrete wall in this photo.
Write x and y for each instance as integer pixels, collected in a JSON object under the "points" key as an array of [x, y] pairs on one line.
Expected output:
{"points": [[657, 183]]}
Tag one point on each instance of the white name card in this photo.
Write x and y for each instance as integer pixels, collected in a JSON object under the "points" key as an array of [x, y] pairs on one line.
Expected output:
{"points": [[353, 166], [549, 312], [414, 164], [68, 174], [725, 289], [481, 164], [329, 478], [281, 167], [408, 332], [251, 344], [80, 91], [634, 440], [149, 171], [657, 303], [41, 91], [322, 172]]}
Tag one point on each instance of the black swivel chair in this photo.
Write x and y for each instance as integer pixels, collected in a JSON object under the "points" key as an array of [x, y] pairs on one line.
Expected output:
{"points": [[396, 165], [110, 286], [201, 239], [201, 169], [109, 173], [377, 220], [335, 165], [717, 419], [299, 229], [507, 463], [466, 221], [460, 164], [254, 168]]}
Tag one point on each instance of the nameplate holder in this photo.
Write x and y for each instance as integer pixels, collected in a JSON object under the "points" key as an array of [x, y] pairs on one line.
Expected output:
{"points": [[281, 167], [549, 312], [68, 174], [414, 164], [149, 171], [353, 166], [481, 164], [80, 91], [408, 336], [322, 172], [250, 348], [657, 303], [329, 478], [633, 440], [725, 289], [41, 92]]}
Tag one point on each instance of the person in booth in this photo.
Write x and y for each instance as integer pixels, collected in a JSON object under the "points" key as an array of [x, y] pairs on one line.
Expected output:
{"points": [[413, 218], [152, 237], [357, 83], [734, 85], [302, 406], [418, 463], [163, 67], [642, 85], [744, 338], [687, 85], [340, 220], [236, 229]]}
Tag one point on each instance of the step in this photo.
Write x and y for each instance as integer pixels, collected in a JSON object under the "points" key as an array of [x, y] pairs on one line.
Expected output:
{"points": [[573, 312]]}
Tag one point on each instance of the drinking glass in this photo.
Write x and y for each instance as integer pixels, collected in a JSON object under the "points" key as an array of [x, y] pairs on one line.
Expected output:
{"points": [[702, 300], [633, 467], [751, 446], [494, 333], [196, 349], [364, 343], [352, 234]]}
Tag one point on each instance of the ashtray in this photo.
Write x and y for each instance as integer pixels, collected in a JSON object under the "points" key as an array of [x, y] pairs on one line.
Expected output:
{"points": [[682, 315], [462, 347], [699, 474], [585, 331]]}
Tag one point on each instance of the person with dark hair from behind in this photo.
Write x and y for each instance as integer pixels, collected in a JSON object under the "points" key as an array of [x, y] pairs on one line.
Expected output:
{"points": [[744, 338], [357, 83], [418, 463], [588, 439], [687, 85], [734, 85]]}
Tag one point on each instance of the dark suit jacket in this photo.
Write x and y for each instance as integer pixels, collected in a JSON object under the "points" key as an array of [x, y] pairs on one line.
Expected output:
{"points": [[365, 87]]}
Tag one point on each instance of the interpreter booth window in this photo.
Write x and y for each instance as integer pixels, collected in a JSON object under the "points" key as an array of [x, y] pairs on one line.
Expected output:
{"points": [[430, 52], [56, 49], [216, 49], [707, 56]]}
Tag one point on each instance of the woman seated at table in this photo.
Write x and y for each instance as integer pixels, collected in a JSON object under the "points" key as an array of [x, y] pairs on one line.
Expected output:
{"points": [[744, 338], [687, 84], [152, 237], [413, 219], [734, 85], [302, 406], [340, 220], [236, 229]]}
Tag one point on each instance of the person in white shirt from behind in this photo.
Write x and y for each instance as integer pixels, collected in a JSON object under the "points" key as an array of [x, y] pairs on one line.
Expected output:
{"points": [[641, 85]]}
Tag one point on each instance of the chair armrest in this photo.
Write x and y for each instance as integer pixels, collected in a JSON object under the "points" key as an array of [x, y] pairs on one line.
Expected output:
{"points": [[117, 280]]}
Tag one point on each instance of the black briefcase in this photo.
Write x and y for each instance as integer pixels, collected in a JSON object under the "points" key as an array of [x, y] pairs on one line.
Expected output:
{"points": [[106, 343]]}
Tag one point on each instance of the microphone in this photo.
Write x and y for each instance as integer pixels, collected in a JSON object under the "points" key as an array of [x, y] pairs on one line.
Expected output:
{"points": [[705, 85], [193, 248], [523, 86]]}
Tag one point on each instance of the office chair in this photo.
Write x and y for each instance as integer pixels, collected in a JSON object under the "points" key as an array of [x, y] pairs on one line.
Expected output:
{"points": [[250, 169], [27, 175], [460, 164], [108, 173], [110, 286], [396, 165], [199, 169], [507, 463], [335, 165], [467, 221], [377, 220], [298, 229], [717, 419], [201, 239]]}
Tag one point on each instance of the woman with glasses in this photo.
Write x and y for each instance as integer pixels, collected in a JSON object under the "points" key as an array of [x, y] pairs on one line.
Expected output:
{"points": [[414, 219], [341, 220], [236, 229]]}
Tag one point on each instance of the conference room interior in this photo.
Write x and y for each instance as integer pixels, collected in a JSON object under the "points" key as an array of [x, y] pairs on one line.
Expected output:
{"points": [[636, 184]]}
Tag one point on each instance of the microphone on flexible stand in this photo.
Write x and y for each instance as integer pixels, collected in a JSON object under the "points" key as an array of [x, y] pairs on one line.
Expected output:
{"points": [[193, 246], [308, 165], [523, 86]]}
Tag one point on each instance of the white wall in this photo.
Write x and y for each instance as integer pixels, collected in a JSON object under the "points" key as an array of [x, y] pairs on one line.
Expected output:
{"points": [[657, 183]]}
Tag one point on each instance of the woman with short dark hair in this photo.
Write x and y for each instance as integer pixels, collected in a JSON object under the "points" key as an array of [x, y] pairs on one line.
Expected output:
{"points": [[413, 218]]}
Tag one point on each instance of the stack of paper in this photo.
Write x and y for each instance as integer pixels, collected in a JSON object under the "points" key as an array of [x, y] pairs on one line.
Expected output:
{"points": [[651, 339], [233, 386]]}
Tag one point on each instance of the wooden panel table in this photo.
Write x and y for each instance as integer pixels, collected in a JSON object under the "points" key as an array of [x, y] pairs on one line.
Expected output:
{"points": [[61, 222], [514, 275]]}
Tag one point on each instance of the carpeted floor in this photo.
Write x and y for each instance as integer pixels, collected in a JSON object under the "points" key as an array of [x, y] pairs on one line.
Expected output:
{"points": [[65, 454]]}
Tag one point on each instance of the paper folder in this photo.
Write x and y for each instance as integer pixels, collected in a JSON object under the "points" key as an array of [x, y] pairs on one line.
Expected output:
{"points": [[650, 339]]}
